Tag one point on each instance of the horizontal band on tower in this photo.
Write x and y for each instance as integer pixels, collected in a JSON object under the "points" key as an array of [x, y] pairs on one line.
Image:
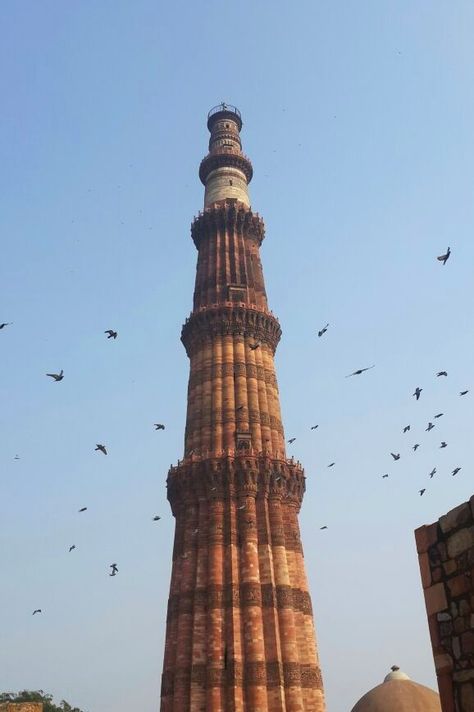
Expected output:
{"points": [[236, 368], [268, 674], [229, 216], [225, 159]]}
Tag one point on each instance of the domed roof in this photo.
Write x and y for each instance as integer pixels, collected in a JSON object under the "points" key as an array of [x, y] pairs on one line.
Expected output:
{"points": [[398, 693]]}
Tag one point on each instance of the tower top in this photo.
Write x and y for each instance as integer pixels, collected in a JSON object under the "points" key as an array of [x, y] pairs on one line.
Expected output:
{"points": [[223, 111]]}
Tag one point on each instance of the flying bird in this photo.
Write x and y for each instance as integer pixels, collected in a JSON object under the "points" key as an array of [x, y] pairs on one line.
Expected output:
{"points": [[396, 456], [359, 371], [114, 570], [384, 476], [17, 457], [102, 448], [156, 518], [325, 527], [242, 506], [444, 258], [57, 376], [443, 444], [455, 471], [72, 547], [332, 464], [417, 392], [83, 509], [406, 428], [159, 426], [463, 393], [291, 440], [430, 427], [432, 473], [111, 334], [441, 373], [5, 323], [438, 415], [240, 407], [313, 427], [422, 491], [323, 330], [416, 446], [37, 610], [254, 346]]}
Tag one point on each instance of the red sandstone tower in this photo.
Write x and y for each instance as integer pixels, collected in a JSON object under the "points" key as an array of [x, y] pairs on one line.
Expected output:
{"points": [[240, 634]]}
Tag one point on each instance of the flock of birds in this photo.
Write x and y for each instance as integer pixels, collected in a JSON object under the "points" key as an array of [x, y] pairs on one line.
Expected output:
{"points": [[100, 447]]}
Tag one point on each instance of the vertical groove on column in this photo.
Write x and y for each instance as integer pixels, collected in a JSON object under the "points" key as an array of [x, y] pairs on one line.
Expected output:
{"points": [[206, 409], [217, 412], [253, 400], [228, 405], [233, 652], [262, 399], [172, 620], [215, 610], [195, 408], [240, 381], [199, 642], [278, 437]]}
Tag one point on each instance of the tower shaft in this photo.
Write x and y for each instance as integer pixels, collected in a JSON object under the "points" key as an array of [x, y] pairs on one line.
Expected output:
{"points": [[240, 634]]}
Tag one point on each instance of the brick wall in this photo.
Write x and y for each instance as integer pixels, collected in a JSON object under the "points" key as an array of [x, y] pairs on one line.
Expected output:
{"points": [[446, 558]]}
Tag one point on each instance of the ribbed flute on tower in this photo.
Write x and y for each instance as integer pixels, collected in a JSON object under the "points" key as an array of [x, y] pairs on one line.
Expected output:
{"points": [[240, 633]]}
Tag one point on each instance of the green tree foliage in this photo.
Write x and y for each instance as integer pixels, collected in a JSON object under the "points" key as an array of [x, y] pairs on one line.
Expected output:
{"points": [[38, 696]]}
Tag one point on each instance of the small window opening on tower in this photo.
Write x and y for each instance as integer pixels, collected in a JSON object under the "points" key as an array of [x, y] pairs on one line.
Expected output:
{"points": [[230, 182], [227, 126]]}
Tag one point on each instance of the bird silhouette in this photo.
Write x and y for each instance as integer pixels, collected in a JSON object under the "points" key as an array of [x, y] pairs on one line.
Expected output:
{"points": [[17, 457], [432, 473], [159, 426], [443, 444], [114, 570], [5, 323], [463, 393], [441, 373], [406, 428], [72, 547], [242, 506], [438, 415], [313, 427], [396, 456], [422, 491], [384, 476], [240, 407], [111, 334], [83, 509], [331, 464], [323, 330], [37, 610], [254, 346], [325, 527], [156, 518], [444, 258], [359, 371], [455, 471], [417, 392], [416, 446], [291, 440], [102, 448], [430, 427], [57, 376]]}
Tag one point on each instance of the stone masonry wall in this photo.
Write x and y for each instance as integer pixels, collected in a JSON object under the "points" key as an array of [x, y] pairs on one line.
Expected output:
{"points": [[446, 557], [21, 707]]}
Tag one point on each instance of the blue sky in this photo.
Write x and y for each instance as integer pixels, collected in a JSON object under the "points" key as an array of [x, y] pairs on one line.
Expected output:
{"points": [[358, 119]]}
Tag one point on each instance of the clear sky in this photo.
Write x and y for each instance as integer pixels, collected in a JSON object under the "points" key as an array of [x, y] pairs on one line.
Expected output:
{"points": [[358, 118]]}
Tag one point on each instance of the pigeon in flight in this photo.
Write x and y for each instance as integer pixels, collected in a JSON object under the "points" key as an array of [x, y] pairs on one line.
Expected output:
{"points": [[159, 426], [332, 464], [17, 457], [313, 427], [242, 506], [57, 376], [240, 407], [422, 491], [444, 258], [111, 334], [291, 440], [359, 371], [443, 444], [384, 476], [83, 509], [72, 547], [37, 610], [463, 393], [325, 527], [114, 570], [323, 330], [156, 518], [254, 346], [406, 428], [430, 427], [417, 392], [5, 323], [102, 448], [441, 373], [415, 447], [455, 471], [432, 473], [438, 415], [396, 456]]}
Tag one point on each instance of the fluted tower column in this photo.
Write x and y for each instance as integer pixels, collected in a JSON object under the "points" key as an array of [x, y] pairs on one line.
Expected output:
{"points": [[240, 634]]}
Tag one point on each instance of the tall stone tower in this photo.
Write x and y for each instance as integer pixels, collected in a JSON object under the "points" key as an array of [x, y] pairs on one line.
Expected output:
{"points": [[240, 634]]}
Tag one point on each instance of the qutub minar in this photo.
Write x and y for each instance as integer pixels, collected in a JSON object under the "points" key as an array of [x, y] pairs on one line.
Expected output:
{"points": [[240, 633]]}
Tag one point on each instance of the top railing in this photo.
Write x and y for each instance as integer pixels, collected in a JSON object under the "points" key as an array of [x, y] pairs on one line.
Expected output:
{"points": [[224, 108]]}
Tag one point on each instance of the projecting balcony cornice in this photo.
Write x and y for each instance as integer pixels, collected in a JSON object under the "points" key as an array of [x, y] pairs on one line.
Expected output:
{"points": [[225, 159], [230, 319], [231, 216]]}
